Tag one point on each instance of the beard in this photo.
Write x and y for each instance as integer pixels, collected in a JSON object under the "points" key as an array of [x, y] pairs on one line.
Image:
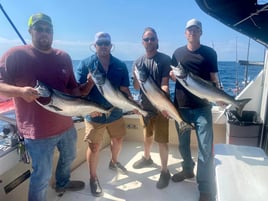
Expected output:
{"points": [[43, 44], [103, 53]]}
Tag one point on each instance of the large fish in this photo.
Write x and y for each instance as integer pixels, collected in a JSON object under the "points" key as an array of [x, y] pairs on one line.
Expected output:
{"points": [[155, 95], [115, 96], [205, 89], [64, 104]]}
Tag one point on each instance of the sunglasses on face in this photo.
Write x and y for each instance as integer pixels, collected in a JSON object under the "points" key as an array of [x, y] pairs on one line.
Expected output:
{"points": [[43, 30], [149, 39], [103, 43], [193, 30]]}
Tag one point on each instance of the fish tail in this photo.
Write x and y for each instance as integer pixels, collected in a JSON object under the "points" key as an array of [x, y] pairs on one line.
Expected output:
{"points": [[184, 127], [241, 105], [108, 112]]}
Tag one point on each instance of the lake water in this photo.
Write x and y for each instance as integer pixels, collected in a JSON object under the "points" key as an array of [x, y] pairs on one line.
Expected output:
{"points": [[232, 75]]}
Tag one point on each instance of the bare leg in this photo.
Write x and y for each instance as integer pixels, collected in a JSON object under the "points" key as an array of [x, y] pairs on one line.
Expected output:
{"points": [[148, 142], [93, 159], [163, 152], [116, 145]]}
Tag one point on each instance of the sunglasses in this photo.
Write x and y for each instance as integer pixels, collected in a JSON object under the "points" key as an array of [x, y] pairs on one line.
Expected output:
{"points": [[149, 39], [43, 30], [103, 43], [193, 30]]}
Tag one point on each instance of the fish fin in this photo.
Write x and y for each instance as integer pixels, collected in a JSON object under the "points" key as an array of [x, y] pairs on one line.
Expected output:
{"points": [[128, 113], [109, 111], [184, 127], [185, 82], [241, 105], [100, 89], [57, 109], [140, 112]]}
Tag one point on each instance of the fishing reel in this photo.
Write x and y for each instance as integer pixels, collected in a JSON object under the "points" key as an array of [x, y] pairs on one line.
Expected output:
{"points": [[9, 135]]}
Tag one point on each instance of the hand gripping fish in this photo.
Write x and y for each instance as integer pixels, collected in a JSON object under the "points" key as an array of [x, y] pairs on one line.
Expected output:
{"points": [[115, 96], [156, 96], [205, 89], [64, 104]]}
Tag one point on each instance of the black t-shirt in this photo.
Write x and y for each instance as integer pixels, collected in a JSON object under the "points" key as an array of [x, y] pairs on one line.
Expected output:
{"points": [[201, 62], [157, 67]]}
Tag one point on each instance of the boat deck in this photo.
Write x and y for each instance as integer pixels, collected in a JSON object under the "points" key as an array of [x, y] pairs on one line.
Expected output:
{"points": [[138, 184]]}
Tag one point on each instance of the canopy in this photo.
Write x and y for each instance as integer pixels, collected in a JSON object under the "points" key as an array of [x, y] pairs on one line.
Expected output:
{"points": [[244, 16]]}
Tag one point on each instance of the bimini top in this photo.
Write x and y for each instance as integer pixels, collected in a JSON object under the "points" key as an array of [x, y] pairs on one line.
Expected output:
{"points": [[245, 16]]}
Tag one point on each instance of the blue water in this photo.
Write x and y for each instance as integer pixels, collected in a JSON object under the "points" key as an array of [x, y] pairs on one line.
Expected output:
{"points": [[231, 74]]}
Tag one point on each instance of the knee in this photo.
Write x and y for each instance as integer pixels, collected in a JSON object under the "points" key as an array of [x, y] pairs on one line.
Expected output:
{"points": [[117, 140], [94, 147]]}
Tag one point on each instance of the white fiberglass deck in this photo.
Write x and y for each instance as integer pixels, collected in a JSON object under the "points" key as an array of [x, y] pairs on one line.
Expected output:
{"points": [[138, 184]]}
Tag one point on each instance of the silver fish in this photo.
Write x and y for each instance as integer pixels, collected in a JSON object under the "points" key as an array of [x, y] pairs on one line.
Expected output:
{"points": [[156, 96], [205, 89], [64, 104], [115, 96]]}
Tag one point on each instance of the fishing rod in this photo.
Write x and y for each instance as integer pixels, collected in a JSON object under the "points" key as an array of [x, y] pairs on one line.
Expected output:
{"points": [[23, 153], [16, 30]]}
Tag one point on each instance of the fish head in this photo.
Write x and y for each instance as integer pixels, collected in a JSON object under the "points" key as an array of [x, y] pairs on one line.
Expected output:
{"points": [[42, 89], [141, 73], [44, 92], [179, 71], [98, 77]]}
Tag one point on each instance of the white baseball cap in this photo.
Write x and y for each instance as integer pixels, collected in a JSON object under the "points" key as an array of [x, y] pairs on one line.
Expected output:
{"points": [[102, 36], [193, 22]]}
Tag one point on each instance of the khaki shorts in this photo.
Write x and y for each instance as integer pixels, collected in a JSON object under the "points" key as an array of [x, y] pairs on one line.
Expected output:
{"points": [[94, 131], [157, 125]]}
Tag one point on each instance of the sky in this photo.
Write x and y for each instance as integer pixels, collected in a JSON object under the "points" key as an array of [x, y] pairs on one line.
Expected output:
{"points": [[75, 23]]}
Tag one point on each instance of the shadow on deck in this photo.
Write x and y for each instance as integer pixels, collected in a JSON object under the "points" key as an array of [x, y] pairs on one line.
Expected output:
{"points": [[138, 184]]}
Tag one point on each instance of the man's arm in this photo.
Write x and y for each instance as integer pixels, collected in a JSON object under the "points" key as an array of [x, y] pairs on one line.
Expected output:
{"points": [[29, 94], [165, 85], [83, 89], [215, 79]]}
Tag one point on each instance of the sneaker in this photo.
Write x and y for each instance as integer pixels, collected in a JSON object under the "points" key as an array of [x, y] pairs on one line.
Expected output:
{"points": [[180, 176], [117, 167], [95, 187], [143, 162], [205, 197], [71, 186], [163, 180]]}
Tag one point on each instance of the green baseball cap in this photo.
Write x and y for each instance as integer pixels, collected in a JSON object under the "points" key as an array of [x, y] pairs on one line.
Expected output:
{"points": [[39, 17]]}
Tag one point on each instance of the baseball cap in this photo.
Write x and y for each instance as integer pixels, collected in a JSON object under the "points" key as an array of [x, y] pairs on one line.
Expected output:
{"points": [[193, 22], [39, 17], [102, 36]]}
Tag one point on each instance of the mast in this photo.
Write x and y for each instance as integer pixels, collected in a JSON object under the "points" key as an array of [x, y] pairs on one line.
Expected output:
{"points": [[246, 69], [237, 90]]}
